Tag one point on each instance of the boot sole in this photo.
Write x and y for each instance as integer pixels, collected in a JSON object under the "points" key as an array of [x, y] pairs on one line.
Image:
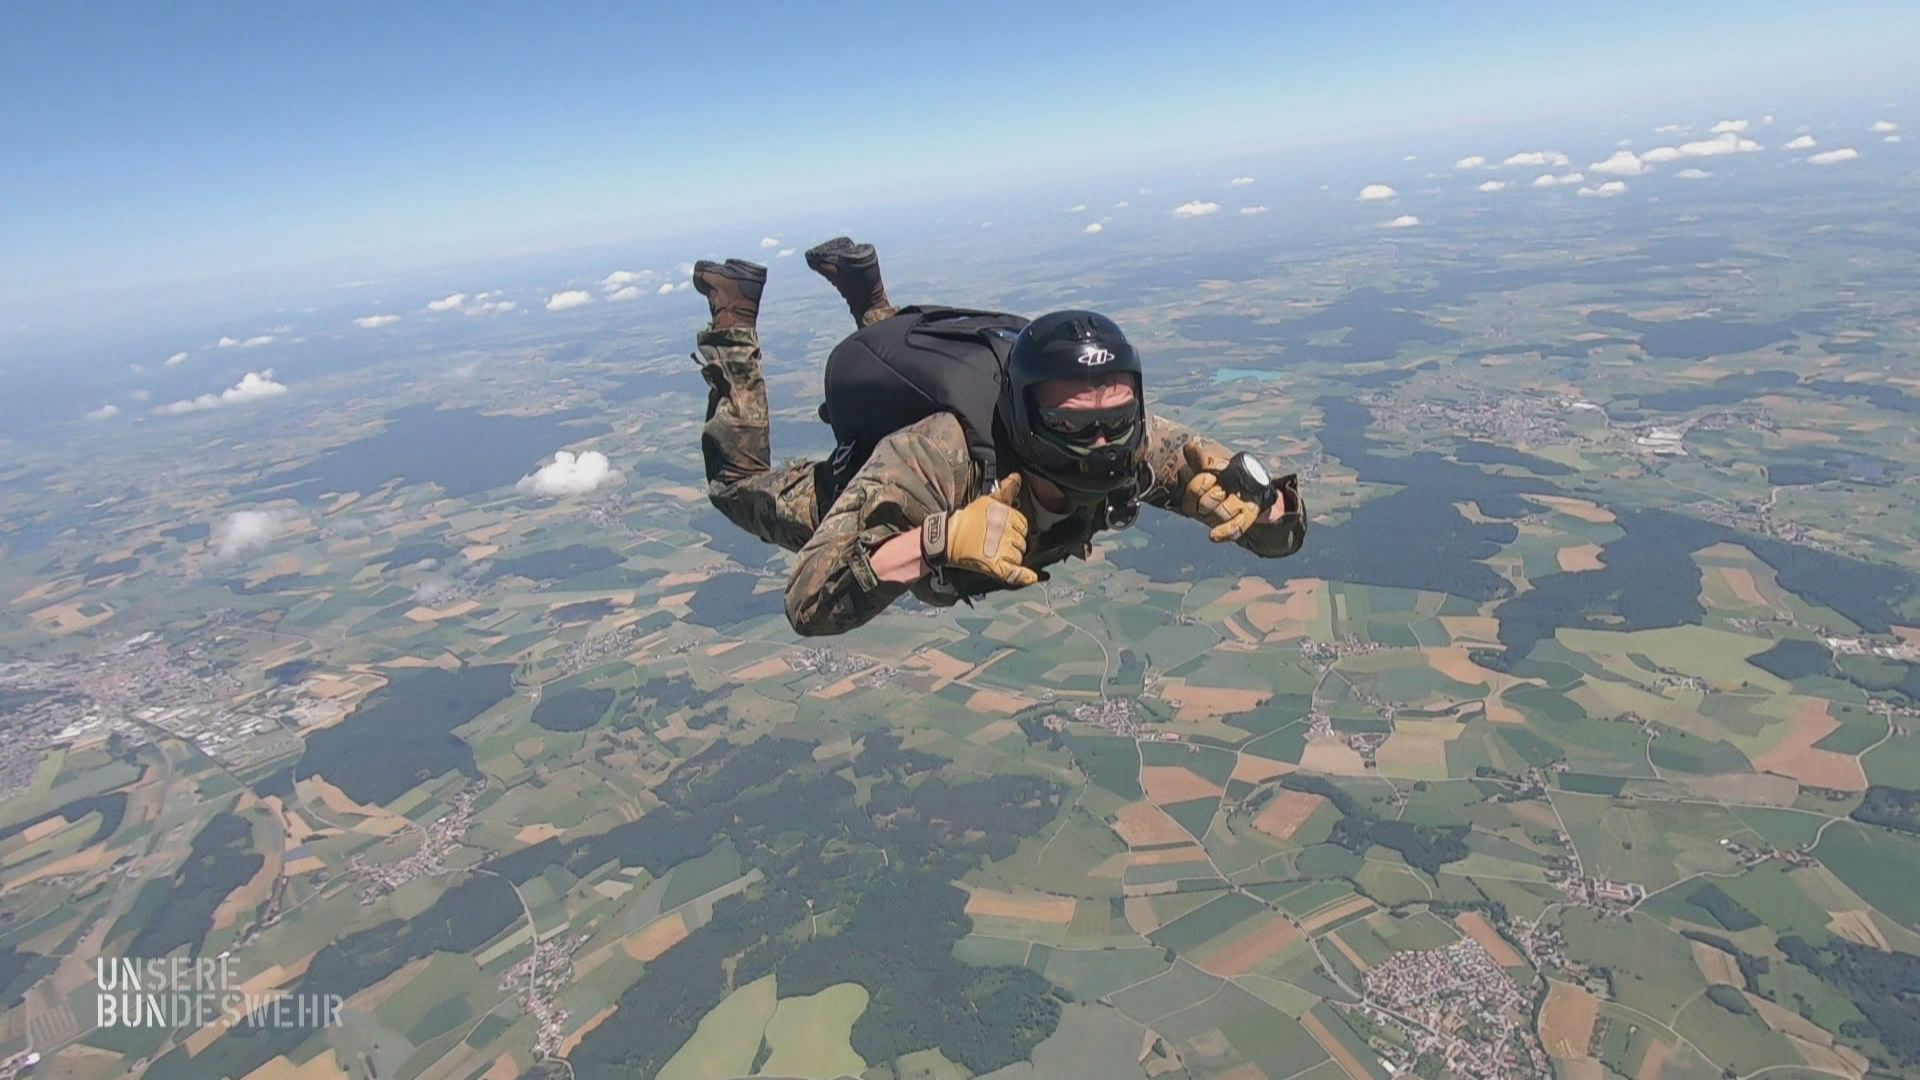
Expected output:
{"points": [[842, 252], [732, 269]]}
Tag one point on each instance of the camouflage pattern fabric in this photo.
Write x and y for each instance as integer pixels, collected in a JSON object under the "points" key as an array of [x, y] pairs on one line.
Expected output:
{"points": [[922, 469], [777, 505]]}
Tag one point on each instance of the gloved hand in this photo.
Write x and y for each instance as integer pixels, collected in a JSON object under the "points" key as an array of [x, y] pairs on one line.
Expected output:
{"points": [[1208, 500], [987, 536]]}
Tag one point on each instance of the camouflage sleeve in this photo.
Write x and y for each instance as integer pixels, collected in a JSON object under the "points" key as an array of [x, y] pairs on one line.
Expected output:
{"points": [[917, 471], [1167, 462]]}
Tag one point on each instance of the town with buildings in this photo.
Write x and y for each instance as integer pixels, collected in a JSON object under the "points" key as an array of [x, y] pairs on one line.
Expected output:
{"points": [[1454, 1003], [438, 841], [537, 981]]}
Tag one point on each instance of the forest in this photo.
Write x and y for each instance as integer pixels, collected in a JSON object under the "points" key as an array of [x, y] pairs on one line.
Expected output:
{"points": [[220, 860], [465, 917], [1884, 986], [1424, 846], [1890, 808], [412, 721], [895, 918]]}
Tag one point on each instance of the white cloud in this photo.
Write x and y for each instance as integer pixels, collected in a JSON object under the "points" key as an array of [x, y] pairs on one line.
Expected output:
{"points": [[176, 359], [1726, 126], [465, 371], [1726, 143], [253, 342], [1471, 161], [1605, 191], [375, 322], [1891, 138], [631, 292], [253, 386], [986, 224], [569, 474], [104, 412], [1077, 208], [571, 298], [1493, 185], [768, 243], [1122, 205], [246, 530], [1094, 228], [1410, 157], [1767, 119], [1882, 127], [783, 253], [1404, 221], [1547, 180], [1622, 163], [447, 303], [673, 287], [142, 395], [1692, 174], [1804, 142], [1834, 157], [620, 279], [1195, 209], [1537, 158], [1249, 211], [1240, 181], [1376, 192], [491, 307], [136, 368], [1668, 129]]}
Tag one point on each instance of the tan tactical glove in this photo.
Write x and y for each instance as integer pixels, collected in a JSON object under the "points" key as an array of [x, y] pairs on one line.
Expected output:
{"points": [[986, 536], [1209, 501]]}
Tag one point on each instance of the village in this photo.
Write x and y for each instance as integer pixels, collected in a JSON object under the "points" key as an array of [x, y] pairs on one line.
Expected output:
{"points": [[437, 842], [1457, 1005]]}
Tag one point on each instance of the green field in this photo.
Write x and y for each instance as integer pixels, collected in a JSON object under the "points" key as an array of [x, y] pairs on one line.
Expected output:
{"points": [[1110, 761], [1180, 986], [1203, 924], [1883, 867], [1272, 1040], [1743, 1043], [1091, 1043], [1653, 968], [1093, 973], [728, 1037], [1654, 844], [1313, 897], [811, 1035], [1194, 815], [697, 877]]}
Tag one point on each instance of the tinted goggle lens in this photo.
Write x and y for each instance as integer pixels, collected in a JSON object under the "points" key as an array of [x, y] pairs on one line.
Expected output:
{"points": [[1084, 425]]}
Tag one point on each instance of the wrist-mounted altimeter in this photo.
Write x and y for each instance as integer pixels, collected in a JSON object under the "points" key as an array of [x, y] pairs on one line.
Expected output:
{"points": [[1246, 477]]}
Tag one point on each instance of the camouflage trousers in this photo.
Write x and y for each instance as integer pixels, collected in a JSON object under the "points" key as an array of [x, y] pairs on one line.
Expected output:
{"points": [[778, 505]]}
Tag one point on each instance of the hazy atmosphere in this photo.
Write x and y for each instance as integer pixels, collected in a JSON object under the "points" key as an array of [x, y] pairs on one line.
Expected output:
{"points": [[1031, 542]]}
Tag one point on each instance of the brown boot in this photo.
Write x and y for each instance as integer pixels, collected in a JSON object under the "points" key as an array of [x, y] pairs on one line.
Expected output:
{"points": [[732, 289], [853, 269]]}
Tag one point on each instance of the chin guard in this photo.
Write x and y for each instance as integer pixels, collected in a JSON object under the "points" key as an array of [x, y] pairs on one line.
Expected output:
{"points": [[1121, 509]]}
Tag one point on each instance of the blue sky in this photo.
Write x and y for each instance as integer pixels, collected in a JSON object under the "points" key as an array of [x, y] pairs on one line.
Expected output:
{"points": [[159, 145]]}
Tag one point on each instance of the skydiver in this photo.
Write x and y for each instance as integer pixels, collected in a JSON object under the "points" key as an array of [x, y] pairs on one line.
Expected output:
{"points": [[975, 449]]}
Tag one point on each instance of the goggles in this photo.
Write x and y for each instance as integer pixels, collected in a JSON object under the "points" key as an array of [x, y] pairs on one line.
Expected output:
{"points": [[1115, 423]]}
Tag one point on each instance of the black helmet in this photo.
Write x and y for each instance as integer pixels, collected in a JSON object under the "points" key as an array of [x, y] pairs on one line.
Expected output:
{"points": [[1058, 444]]}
